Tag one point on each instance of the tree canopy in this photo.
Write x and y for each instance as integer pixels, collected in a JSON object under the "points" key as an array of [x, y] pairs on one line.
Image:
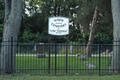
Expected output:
{"points": [[1, 18], [36, 13]]}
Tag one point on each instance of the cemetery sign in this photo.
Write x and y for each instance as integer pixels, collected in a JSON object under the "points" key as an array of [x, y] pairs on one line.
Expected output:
{"points": [[58, 26]]}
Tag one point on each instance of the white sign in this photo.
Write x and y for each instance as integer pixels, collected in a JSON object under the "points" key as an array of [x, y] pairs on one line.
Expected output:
{"points": [[58, 26]]}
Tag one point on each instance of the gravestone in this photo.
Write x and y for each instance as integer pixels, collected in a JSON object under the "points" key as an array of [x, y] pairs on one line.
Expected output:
{"points": [[71, 48], [81, 56], [41, 53], [111, 53], [107, 51], [18, 49], [35, 49], [89, 65]]}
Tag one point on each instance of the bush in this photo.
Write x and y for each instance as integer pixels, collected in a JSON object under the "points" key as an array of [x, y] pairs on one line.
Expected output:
{"points": [[63, 51], [75, 50]]}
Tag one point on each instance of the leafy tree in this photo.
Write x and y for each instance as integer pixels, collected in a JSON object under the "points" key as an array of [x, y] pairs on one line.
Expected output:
{"points": [[85, 14], [35, 22], [104, 19], [74, 10], [46, 10], [1, 31], [115, 63], [1, 18], [12, 22]]}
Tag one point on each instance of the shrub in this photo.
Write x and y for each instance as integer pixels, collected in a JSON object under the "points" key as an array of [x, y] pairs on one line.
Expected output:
{"points": [[75, 50], [63, 51]]}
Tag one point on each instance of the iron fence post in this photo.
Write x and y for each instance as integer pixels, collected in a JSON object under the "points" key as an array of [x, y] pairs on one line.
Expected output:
{"points": [[55, 52], [11, 52], [66, 51], [99, 54], [49, 55]]}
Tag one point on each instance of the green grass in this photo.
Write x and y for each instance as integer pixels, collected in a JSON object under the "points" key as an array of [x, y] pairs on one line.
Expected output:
{"points": [[75, 66], [29, 77]]}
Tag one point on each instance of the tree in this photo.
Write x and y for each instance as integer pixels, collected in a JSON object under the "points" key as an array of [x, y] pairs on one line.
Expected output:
{"points": [[92, 33], [1, 12], [37, 21], [1, 18], [104, 19], [115, 63], [12, 22], [85, 15], [1, 31], [40, 10]]}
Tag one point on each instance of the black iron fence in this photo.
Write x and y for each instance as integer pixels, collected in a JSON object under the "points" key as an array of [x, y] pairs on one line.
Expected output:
{"points": [[69, 59]]}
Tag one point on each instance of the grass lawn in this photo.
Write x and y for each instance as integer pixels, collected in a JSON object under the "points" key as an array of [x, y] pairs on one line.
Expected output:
{"points": [[28, 77], [75, 66]]}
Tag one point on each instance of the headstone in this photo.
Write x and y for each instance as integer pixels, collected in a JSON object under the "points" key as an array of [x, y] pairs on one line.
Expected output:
{"points": [[41, 55], [107, 51], [103, 52], [89, 65], [82, 57], [35, 49], [41, 51], [111, 53], [71, 47], [18, 49], [86, 62]]}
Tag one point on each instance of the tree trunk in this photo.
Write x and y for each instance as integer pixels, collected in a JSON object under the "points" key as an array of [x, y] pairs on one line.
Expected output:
{"points": [[92, 32], [115, 63], [13, 17]]}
